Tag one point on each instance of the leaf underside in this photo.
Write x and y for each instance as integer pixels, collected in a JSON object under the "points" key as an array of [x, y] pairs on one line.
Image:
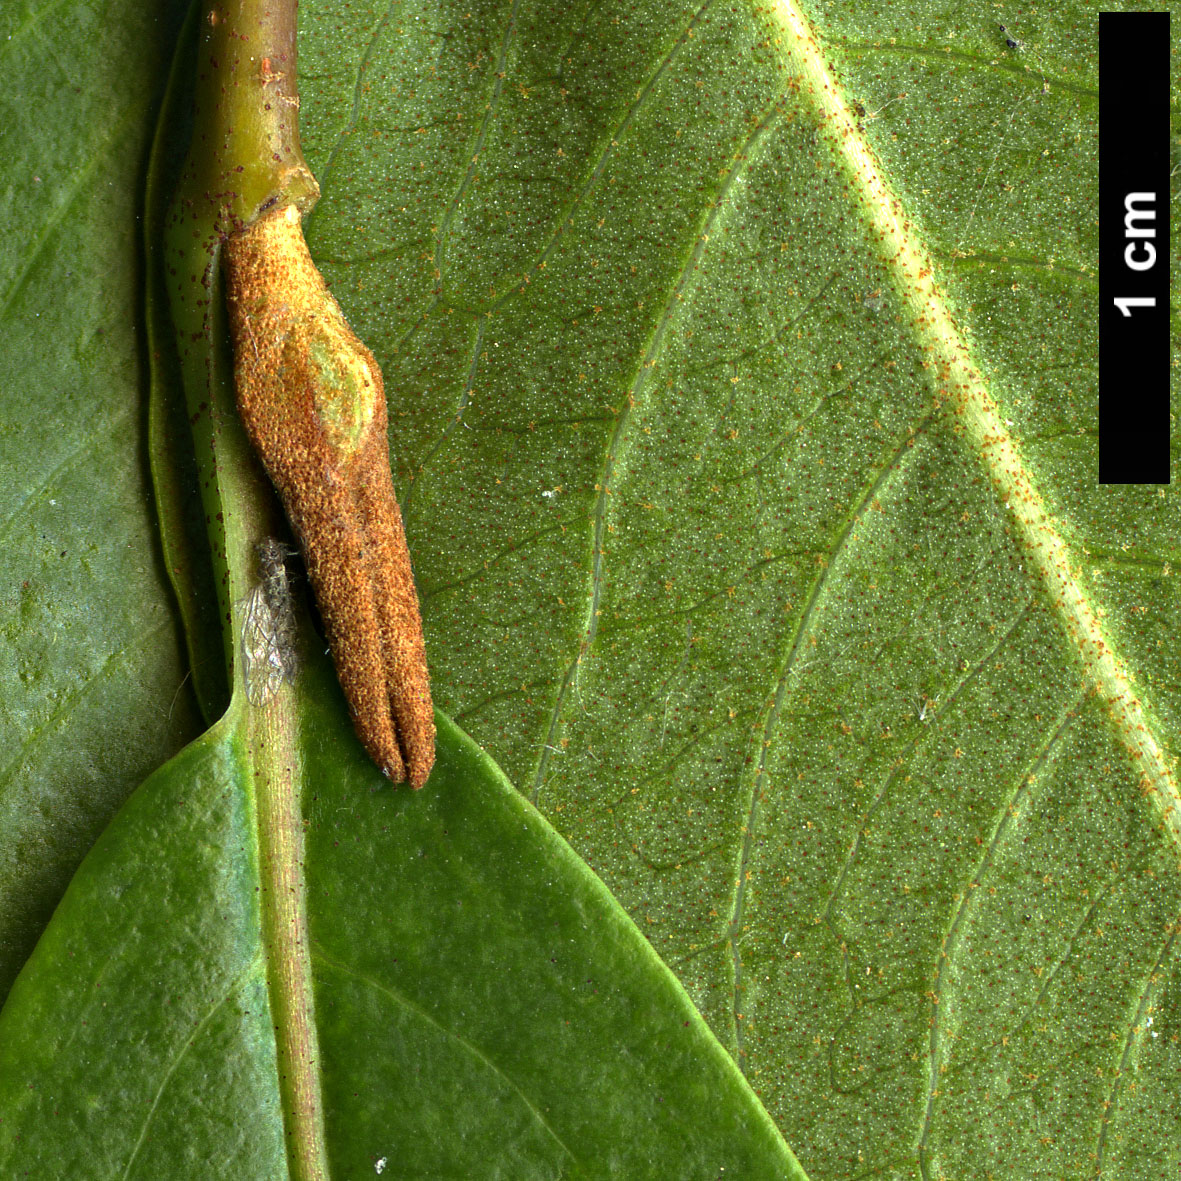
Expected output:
{"points": [[712, 574], [705, 565]]}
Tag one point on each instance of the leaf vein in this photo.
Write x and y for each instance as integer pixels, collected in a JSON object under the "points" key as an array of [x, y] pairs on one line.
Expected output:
{"points": [[190, 1041], [57, 215], [465, 399], [683, 280], [404, 1002], [490, 111], [31, 22], [1008, 810], [350, 123], [959, 380], [940, 709], [82, 448], [611, 141], [8, 774], [819, 586], [1135, 1027]]}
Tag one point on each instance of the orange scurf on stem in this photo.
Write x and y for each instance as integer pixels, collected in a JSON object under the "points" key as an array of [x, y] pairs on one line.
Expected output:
{"points": [[311, 397]]}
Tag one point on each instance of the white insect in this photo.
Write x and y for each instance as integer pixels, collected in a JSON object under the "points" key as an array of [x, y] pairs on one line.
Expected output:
{"points": [[927, 704], [269, 658]]}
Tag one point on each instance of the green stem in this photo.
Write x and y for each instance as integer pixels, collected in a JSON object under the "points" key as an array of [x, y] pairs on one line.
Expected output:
{"points": [[244, 157], [245, 151], [275, 757]]}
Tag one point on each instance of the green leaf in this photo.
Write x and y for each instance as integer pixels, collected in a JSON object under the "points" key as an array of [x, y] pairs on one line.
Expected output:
{"points": [[93, 680], [713, 562], [718, 558], [597, 1066], [484, 1007]]}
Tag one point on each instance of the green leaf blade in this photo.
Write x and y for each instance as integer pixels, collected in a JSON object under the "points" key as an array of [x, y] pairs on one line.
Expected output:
{"points": [[750, 624], [140, 1025], [91, 675], [483, 1006], [829, 743], [532, 1028]]}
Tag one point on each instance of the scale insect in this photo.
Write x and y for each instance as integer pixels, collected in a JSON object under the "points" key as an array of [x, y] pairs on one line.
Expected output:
{"points": [[269, 658]]}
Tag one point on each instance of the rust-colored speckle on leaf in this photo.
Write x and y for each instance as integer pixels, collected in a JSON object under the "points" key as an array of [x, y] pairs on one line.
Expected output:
{"points": [[311, 397]]}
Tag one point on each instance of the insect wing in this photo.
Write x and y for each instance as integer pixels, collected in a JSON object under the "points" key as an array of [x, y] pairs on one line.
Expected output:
{"points": [[265, 663]]}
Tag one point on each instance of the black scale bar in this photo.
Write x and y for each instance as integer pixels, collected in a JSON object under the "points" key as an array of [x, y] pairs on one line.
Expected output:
{"points": [[1134, 247]]}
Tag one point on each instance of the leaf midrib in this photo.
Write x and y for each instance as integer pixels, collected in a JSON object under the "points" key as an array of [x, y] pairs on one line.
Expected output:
{"points": [[962, 385], [276, 774]]}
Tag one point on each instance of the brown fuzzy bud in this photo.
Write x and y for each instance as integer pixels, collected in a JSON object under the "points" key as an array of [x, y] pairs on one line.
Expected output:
{"points": [[311, 397]]}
